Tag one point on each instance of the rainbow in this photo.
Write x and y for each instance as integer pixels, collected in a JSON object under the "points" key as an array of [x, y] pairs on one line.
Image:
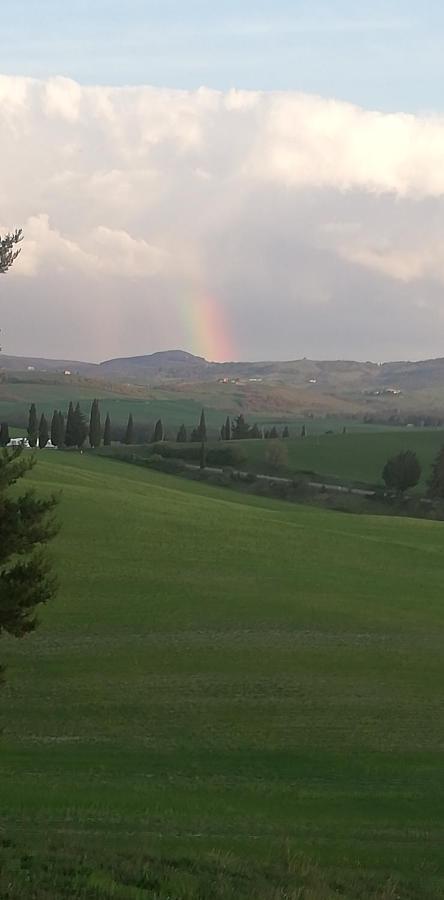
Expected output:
{"points": [[207, 329]]}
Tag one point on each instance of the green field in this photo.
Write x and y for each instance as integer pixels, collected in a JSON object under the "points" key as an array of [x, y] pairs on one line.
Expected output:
{"points": [[225, 675], [351, 457]]}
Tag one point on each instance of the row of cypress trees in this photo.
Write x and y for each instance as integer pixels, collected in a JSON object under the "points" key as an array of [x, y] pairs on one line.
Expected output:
{"points": [[69, 432]]}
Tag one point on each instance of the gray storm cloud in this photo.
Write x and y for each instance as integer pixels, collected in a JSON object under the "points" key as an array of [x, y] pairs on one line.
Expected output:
{"points": [[315, 227]]}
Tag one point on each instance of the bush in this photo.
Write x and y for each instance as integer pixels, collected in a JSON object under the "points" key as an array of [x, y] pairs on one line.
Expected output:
{"points": [[226, 456], [402, 471]]}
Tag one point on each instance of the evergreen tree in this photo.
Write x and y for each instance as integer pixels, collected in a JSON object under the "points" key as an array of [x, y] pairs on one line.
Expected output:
{"points": [[274, 433], [255, 432], [285, 433], [203, 456], [158, 431], [202, 427], [95, 428], [436, 482], [55, 429], [194, 437], [32, 426], [70, 431], [61, 429], [222, 432], [25, 526], [181, 435], [8, 253], [240, 429], [43, 432], [4, 434], [129, 433], [402, 471], [228, 429], [107, 432], [80, 427], [303, 431]]}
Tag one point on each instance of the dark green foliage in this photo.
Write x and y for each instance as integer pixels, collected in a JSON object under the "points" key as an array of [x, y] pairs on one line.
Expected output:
{"points": [[9, 250], [240, 429], [129, 433], [4, 434], [255, 432], [158, 431], [95, 428], [107, 432], [61, 429], [436, 482], [70, 432], [202, 427], [228, 429], [181, 435], [303, 431], [286, 433], [80, 427], [55, 425], [274, 433], [402, 471], [25, 525], [43, 432], [32, 426], [194, 436], [226, 456]]}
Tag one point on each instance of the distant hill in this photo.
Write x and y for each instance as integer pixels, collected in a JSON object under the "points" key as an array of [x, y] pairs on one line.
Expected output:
{"points": [[308, 386]]}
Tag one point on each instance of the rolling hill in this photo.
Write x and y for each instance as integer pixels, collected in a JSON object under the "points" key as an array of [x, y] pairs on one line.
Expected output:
{"points": [[224, 678]]}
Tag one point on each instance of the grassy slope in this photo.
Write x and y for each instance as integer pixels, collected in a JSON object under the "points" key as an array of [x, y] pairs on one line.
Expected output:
{"points": [[353, 456], [228, 672]]}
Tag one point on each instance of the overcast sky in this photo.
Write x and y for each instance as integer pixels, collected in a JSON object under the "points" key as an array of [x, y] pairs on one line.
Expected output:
{"points": [[255, 184]]}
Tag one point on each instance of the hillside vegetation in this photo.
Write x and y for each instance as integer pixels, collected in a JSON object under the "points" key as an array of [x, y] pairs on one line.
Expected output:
{"points": [[224, 678]]}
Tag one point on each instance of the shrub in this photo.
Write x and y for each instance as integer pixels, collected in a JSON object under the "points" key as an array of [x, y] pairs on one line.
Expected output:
{"points": [[402, 471]]}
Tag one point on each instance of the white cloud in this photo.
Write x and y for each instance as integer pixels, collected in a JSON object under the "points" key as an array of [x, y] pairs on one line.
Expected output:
{"points": [[147, 199]]}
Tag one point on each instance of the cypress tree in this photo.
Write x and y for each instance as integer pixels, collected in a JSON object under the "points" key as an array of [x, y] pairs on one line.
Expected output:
{"points": [[129, 433], [61, 429], [255, 431], [228, 429], [80, 427], [4, 434], [286, 433], [194, 435], [43, 432], [158, 431], [222, 432], [107, 432], [70, 432], [273, 432], [32, 426], [181, 435], [95, 429], [202, 427], [303, 431], [55, 429]]}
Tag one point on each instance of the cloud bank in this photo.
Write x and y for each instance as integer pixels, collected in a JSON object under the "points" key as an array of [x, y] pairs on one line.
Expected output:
{"points": [[245, 224]]}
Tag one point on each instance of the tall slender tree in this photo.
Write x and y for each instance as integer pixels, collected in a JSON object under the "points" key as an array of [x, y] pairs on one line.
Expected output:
{"points": [[33, 431], [158, 431], [4, 434], [55, 428], [107, 432], [228, 429], [95, 429], [129, 433], [70, 431], [203, 455], [202, 427], [181, 435], [303, 432], [286, 433], [61, 429], [80, 427], [43, 432]]}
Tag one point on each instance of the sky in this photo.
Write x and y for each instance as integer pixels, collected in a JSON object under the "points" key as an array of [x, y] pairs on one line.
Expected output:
{"points": [[242, 180]]}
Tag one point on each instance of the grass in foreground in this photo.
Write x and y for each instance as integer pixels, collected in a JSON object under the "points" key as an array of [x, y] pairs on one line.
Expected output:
{"points": [[225, 675]]}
